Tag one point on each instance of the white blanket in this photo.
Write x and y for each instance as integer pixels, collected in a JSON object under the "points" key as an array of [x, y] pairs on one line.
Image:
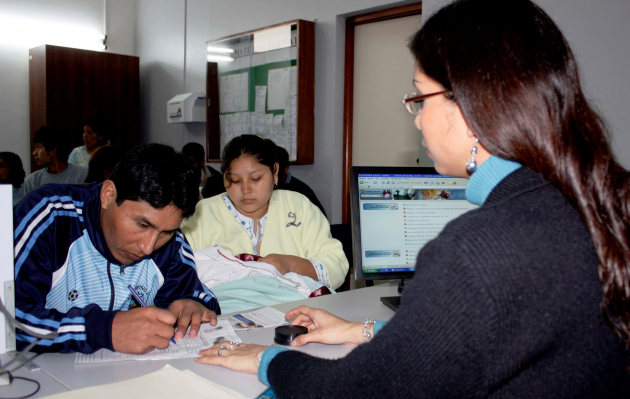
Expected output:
{"points": [[216, 265]]}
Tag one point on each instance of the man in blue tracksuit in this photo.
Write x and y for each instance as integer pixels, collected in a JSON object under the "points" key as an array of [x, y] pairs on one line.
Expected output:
{"points": [[80, 251]]}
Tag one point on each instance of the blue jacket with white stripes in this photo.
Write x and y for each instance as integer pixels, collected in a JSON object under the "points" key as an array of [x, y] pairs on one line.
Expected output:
{"points": [[68, 282]]}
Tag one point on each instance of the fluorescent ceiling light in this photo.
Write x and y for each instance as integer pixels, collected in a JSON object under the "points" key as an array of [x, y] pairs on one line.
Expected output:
{"points": [[220, 50], [219, 58], [219, 54]]}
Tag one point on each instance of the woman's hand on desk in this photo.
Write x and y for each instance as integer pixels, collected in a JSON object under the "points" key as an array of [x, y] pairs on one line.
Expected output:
{"points": [[324, 327], [290, 263], [241, 357]]}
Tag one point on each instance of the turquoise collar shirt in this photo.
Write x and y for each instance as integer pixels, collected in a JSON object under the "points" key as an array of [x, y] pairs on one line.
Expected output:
{"points": [[487, 176]]}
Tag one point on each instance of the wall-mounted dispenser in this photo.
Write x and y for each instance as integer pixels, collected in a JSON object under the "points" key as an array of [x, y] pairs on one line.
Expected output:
{"points": [[186, 107]]}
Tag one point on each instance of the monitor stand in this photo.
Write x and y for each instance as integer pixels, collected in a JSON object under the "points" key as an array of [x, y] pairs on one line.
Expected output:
{"points": [[393, 302]]}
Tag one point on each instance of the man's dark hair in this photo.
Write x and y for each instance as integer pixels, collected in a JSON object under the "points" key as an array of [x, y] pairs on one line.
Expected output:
{"points": [[102, 163], [16, 170], [194, 150], [53, 139], [158, 175]]}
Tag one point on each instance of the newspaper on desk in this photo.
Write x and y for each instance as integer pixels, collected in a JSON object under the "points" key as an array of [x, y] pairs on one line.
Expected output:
{"points": [[186, 347], [190, 347], [259, 318]]}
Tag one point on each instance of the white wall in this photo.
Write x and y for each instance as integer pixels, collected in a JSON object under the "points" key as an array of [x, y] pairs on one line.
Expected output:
{"points": [[599, 35], [209, 20], [14, 99], [383, 67], [160, 43], [597, 31], [121, 26], [170, 37]]}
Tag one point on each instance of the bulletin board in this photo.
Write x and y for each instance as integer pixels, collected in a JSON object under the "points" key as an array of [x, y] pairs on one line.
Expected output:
{"points": [[269, 93]]}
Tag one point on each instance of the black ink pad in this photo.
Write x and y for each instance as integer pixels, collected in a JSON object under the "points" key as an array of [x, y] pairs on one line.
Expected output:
{"points": [[286, 334]]}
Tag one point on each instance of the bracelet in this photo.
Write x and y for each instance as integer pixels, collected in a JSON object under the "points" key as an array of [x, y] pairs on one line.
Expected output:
{"points": [[366, 329], [260, 358]]}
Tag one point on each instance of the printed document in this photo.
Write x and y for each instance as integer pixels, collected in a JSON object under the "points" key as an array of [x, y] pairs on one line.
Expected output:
{"points": [[259, 318], [186, 347]]}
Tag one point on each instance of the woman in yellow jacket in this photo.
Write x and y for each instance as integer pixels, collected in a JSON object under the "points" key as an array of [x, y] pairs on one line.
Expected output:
{"points": [[283, 227]]}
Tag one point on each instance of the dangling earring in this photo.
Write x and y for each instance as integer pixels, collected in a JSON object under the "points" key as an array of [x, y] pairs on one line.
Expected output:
{"points": [[471, 166], [275, 183]]}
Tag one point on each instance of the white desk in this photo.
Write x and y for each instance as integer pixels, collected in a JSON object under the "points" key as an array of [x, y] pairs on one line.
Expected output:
{"points": [[354, 305], [48, 385]]}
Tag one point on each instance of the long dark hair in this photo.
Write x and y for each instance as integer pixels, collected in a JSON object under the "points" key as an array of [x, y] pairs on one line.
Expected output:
{"points": [[16, 170], [261, 149], [516, 82]]}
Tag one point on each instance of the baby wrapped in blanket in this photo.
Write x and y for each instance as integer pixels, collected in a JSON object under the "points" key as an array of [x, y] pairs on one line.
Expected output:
{"points": [[242, 284]]}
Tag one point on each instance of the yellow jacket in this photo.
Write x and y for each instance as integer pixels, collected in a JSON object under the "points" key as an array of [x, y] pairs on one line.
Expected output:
{"points": [[294, 227]]}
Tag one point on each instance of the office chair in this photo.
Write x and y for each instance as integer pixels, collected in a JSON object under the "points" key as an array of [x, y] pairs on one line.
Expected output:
{"points": [[343, 233]]}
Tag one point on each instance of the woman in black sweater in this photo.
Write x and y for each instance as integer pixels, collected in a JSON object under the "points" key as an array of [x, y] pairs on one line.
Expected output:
{"points": [[526, 296]]}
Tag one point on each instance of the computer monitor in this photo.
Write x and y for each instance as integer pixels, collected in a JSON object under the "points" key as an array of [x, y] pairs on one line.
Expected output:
{"points": [[395, 211], [7, 332]]}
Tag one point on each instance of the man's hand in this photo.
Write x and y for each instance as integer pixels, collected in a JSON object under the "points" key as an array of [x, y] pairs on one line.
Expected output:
{"points": [[141, 330], [190, 313]]}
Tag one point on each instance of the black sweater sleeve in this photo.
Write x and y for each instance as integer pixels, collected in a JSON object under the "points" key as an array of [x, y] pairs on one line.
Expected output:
{"points": [[505, 302], [433, 347]]}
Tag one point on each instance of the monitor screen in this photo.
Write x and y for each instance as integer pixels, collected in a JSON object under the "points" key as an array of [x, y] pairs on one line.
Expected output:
{"points": [[395, 211], [7, 332]]}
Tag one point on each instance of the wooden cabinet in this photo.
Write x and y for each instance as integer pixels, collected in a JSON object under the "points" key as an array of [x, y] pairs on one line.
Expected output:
{"points": [[67, 86]]}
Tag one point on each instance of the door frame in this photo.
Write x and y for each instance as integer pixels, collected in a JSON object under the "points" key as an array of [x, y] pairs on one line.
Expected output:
{"points": [[348, 92]]}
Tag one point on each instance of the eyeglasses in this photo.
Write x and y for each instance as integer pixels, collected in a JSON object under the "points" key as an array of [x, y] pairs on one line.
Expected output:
{"points": [[413, 102]]}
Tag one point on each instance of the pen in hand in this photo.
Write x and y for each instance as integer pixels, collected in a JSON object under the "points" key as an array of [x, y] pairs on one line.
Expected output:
{"points": [[141, 302]]}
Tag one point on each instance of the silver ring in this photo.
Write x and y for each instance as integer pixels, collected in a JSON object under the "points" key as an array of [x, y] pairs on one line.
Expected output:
{"points": [[233, 344], [222, 349]]}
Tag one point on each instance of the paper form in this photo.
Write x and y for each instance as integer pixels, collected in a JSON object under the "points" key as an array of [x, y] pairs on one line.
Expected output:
{"points": [[168, 382], [258, 123], [234, 92], [261, 100], [267, 123], [186, 347], [279, 81], [293, 77], [277, 122], [240, 123], [263, 317]]}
